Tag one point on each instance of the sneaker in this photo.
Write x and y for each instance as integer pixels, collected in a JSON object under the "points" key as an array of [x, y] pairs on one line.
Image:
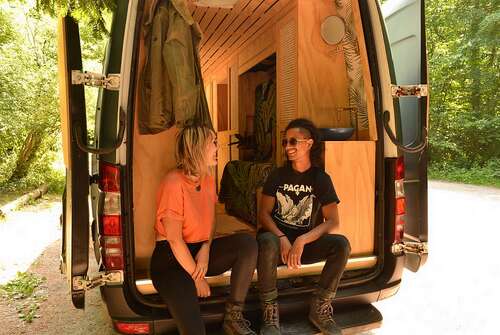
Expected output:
{"points": [[270, 319], [235, 323]]}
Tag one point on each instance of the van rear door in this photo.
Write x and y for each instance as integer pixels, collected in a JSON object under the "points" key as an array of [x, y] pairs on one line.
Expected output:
{"points": [[75, 248], [406, 32]]}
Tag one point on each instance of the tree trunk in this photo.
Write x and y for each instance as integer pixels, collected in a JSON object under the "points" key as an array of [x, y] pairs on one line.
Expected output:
{"points": [[27, 154], [23, 200]]}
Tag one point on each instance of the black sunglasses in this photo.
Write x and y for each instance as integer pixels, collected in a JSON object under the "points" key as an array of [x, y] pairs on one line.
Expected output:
{"points": [[292, 141]]}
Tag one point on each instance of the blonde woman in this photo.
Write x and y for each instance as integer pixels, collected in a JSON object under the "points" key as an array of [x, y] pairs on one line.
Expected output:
{"points": [[186, 251]]}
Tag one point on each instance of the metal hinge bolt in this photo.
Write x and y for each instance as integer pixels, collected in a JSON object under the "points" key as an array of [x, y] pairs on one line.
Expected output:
{"points": [[110, 82], [419, 248], [409, 91], [85, 283]]}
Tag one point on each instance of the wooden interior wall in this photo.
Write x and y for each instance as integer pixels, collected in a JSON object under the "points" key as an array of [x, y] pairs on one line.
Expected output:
{"points": [[234, 107], [287, 76], [225, 153], [353, 177], [261, 47], [153, 157], [234, 119], [222, 107], [322, 75]]}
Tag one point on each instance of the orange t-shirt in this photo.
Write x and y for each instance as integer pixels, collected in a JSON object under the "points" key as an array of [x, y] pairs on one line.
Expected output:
{"points": [[178, 200]]}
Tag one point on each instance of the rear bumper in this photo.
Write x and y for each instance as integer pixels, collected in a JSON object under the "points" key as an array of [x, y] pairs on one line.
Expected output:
{"points": [[347, 303], [122, 307]]}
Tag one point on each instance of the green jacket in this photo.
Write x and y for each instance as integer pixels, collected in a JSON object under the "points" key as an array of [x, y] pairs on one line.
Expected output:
{"points": [[171, 85]]}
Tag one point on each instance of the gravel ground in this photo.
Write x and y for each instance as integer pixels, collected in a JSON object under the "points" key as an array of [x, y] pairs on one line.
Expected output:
{"points": [[454, 293]]}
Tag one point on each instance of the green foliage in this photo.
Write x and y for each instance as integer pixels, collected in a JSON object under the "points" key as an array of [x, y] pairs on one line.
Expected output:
{"points": [[462, 38], [29, 119], [29, 108], [93, 13], [25, 293], [488, 175]]}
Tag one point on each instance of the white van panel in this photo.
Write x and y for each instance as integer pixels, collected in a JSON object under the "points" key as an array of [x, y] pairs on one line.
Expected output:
{"points": [[126, 66]]}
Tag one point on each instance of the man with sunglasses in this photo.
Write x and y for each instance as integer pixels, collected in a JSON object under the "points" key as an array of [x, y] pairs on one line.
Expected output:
{"points": [[299, 221]]}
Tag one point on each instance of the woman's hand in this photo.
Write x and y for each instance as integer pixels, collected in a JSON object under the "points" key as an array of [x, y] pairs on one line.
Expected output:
{"points": [[202, 288], [285, 247], [201, 262], [296, 253]]}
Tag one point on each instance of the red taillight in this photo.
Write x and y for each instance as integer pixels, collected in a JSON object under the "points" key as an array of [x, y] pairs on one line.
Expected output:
{"points": [[132, 328], [109, 178], [400, 168], [111, 225], [400, 206], [400, 201]]}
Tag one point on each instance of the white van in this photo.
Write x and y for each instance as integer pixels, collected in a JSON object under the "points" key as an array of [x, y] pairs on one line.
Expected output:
{"points": [[337, 63]]}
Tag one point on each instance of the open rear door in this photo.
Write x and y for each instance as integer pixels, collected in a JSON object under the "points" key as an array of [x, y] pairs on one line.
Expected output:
{"points": [[405, 23], [75, 248]]}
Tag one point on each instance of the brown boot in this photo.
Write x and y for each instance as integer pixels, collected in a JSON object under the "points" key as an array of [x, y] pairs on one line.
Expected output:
{"points": [[234, 322], [321, 312], [270, 318]]}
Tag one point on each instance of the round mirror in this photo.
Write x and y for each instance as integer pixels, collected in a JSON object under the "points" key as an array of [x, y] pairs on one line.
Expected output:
{"points": [[333, 30]]}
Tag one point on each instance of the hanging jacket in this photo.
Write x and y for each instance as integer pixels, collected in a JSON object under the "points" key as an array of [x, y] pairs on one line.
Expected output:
{"points": [[171, 85]]}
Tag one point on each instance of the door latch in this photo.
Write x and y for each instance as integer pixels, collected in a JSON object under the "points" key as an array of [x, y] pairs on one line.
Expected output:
{"points": [[110, 82], [81, 283]]}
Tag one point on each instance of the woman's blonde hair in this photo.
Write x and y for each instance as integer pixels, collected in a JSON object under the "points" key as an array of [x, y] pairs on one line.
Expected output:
{"points": [[190, 150]]}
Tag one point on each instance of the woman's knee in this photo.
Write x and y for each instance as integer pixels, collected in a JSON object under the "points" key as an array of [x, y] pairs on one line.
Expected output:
{"points": [[246, 243]]}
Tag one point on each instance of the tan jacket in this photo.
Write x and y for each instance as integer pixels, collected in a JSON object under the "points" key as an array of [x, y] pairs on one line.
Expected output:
{"points": [[171, 85]]}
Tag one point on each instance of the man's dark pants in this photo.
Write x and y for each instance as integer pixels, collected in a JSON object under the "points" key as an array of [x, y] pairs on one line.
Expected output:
{"points": [[333, 248]]}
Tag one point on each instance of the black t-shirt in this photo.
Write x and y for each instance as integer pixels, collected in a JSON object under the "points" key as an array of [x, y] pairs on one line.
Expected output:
{"points": [[299, 198]]}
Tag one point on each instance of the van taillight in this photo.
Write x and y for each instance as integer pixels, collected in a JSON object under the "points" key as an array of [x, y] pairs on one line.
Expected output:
{"points": [[132, 328], [111, 233], [109, 177], [400, 201]]}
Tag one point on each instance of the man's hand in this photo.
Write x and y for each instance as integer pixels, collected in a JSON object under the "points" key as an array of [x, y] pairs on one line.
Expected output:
{"points": [[202, 288], [285, 247], [201, 262], [295, 253]]}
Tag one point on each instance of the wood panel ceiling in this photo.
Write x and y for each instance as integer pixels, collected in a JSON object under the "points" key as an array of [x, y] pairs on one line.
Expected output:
{"points": [[225, 29]]}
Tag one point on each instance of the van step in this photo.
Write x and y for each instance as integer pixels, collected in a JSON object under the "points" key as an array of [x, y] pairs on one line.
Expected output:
{"points": [[352, 320]]}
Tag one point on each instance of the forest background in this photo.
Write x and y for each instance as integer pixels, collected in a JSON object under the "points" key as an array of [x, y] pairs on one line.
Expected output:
{"points": [[464, 74]]}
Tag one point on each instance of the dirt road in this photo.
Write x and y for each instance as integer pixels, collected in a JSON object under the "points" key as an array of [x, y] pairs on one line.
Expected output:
{"points": [[455, 293]]}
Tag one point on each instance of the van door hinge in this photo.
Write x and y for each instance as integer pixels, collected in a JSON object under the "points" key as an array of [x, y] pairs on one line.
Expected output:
{"points": [[110, 82], [420, 90], [94, 179], [81, 283], [419, 248]]}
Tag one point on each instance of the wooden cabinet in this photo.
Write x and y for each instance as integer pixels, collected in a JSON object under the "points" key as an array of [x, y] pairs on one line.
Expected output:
{"points": [[351, 165]]}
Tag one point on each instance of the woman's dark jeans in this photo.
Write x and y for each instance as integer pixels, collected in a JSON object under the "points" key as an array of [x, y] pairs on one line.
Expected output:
{"points": [[333, 248], [237, 252]]}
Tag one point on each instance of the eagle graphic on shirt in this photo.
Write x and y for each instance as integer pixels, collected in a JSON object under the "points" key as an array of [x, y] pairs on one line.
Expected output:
{"points": [[294, 215]]}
